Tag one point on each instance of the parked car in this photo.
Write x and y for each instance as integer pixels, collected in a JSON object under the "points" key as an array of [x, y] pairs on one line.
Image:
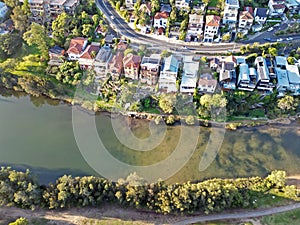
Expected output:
{"points": [[267, 39], [279, 40], [270, 29], [289, 39], [277, 25]]}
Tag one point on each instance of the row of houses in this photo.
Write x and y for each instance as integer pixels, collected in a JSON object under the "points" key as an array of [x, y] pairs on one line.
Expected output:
{"points": [[207, 27], [265, 75], [151, 70]]}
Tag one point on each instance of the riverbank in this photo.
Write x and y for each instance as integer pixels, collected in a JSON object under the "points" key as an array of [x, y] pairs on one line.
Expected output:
{"points": [[91, 107]]}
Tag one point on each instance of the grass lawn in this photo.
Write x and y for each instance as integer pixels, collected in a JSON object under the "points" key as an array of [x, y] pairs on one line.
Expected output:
{"points": [[288, 218]]}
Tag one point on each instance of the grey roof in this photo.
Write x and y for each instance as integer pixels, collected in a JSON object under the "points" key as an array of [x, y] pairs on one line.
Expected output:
{"points": [[104, 54], [261, 12], [262, 70], [56, 50], [166, 8], [244, 73]]}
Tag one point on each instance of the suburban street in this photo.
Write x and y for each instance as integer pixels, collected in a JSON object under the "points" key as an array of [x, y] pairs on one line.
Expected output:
{"points": [[122, 28], [271, 34]]}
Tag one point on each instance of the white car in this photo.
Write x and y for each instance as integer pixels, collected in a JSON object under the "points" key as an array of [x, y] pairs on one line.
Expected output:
{"points": [[270, 29], [289, 39], [279, 40]]}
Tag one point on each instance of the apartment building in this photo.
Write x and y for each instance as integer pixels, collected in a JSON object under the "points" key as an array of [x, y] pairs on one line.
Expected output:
{"points": [[43, 11], [150, 67], [168, 75]]}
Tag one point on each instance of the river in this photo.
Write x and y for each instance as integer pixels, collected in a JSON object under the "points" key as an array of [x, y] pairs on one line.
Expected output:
{"points": [[37, 133]]}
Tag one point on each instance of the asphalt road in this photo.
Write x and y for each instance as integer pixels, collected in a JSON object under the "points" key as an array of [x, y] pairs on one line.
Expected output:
{"points": [[122, 28], [271, 34], [239, 215]]}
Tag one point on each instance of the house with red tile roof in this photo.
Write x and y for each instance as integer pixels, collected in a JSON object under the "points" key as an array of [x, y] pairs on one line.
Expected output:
{"points": [[160, 19], [212, 25], [131, 64], [76, 47], [115, 66], [86, 60], [245, 21]]}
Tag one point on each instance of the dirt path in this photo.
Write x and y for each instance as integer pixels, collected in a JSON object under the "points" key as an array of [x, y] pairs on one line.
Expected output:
{"points": [[110, 213], [239, 215]]}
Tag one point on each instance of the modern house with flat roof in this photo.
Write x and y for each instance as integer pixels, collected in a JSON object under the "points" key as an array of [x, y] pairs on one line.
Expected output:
{"points": [[245, 81], [231, 10], [189, 75], [294, 79], [263, 75], [168, 75]]}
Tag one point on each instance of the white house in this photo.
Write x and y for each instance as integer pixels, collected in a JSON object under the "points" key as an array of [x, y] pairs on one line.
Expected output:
{"points": [[263, 75], [3, 10], [261, 15], [195, 26], [189, 75], [230, 12], [245, 21], [276, 7], [211, 27], [160, 19], [168, 75], [294, 79], [182, 4], [245, 81]]}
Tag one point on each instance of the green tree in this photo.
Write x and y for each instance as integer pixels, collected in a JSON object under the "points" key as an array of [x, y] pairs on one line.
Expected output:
{"points": [[12, 3], [273, 51], [155, 6], [287, 103], [95, 19], [60, 28], [36, 35], [127, 51], [20, 221], [26, 8], [19, 18], [167, 103], [226, 37], [291, 60], [165, 53], [87, 30], [9, 44]]}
